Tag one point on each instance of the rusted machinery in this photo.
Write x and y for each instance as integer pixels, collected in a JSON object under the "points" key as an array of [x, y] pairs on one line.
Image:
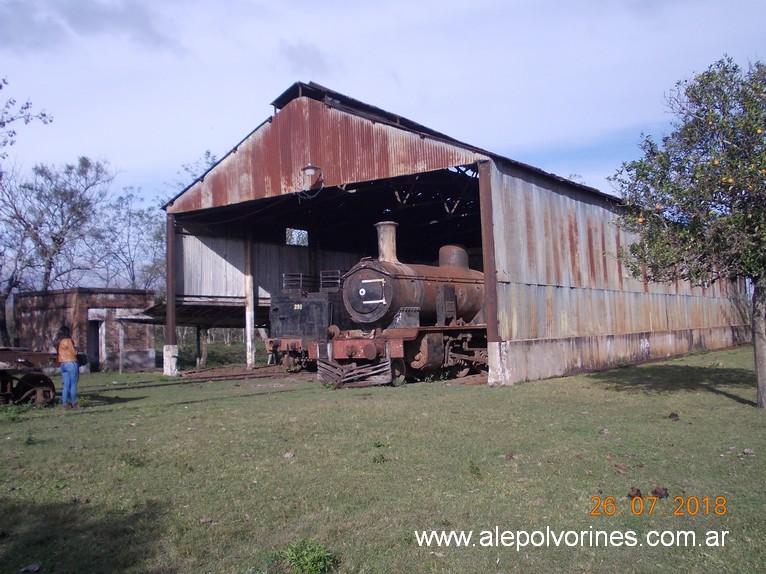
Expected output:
{"points": [[409, 321], [22, 379]]}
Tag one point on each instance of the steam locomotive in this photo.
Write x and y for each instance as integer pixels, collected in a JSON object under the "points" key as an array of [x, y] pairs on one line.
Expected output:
{"points": [[388, 321]]}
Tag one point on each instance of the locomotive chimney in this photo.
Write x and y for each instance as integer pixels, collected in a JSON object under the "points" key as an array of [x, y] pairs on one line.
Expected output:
{"points": [[387, 241]]}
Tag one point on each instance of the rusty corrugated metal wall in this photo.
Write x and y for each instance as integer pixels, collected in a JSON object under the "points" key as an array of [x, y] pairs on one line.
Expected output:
{"points": [[347, 147], [565, 302]]}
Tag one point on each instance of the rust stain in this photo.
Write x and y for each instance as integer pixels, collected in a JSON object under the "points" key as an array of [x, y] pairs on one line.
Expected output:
{"points": [[348, 148], [574, 250], [531, 238], [591, 256]]}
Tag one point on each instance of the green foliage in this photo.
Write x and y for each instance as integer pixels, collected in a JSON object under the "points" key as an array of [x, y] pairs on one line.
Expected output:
{"points": [[133, 460], [379, 458], [473, 468], [310, 557], [13, 412], [219, 354], [697, 199]]}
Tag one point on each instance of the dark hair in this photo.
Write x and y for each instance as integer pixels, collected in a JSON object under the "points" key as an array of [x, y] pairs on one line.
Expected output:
{"points": [[63, 333]]}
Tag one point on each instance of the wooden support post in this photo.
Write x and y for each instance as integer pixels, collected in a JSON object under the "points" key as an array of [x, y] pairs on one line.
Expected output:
{"points": [[497, 373], [250, 303]]}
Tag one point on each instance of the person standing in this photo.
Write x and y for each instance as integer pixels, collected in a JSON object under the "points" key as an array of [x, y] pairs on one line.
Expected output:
{"points": [[70, 369]]}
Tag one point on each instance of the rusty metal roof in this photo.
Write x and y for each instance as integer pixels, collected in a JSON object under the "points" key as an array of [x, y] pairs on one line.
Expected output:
{"points": [[342, 102], [350, 141]]}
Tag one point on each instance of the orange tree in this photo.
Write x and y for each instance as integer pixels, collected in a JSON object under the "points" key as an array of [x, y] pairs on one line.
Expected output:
{"points": [[696, 200]]}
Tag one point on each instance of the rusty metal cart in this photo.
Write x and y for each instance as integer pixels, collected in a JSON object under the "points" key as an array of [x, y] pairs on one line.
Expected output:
{"points": [[22, 379]]}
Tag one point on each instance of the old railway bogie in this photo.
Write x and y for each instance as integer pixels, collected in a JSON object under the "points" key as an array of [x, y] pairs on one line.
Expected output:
{"points": [[22, 379], [394, 322]]}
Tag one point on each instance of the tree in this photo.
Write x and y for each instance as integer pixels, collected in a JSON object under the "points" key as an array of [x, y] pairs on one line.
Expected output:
{"points": [[190, 172], [15, 256], [14, 246], [57, 212], [13, 113], [133, 254], [697, 199]]}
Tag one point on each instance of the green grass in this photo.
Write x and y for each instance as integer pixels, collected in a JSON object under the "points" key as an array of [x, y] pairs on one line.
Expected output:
{"points": [[218, 354], [165, 475]]}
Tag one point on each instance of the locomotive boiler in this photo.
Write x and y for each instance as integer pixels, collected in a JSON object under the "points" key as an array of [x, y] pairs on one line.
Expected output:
{"points": [[410, 320]]}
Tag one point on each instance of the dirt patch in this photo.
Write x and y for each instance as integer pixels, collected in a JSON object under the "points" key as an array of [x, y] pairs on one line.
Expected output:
{"points": [[477, 379]]}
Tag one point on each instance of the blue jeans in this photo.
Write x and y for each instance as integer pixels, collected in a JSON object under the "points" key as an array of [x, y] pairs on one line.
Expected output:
{"points": [[70, 374]]}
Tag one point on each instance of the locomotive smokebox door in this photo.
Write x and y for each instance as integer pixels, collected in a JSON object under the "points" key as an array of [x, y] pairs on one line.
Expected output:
{"points": [[368, 295]]}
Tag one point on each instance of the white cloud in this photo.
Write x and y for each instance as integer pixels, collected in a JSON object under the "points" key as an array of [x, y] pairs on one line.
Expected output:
{"points": [[152, 85]]}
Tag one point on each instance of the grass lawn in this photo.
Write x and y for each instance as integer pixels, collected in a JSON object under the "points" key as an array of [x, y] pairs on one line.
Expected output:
{"points": [[161, 475]]}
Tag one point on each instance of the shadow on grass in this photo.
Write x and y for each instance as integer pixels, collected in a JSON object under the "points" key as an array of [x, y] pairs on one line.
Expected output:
{"points": [[76, 536], [97, 399], [163, 381], [664, 379]]}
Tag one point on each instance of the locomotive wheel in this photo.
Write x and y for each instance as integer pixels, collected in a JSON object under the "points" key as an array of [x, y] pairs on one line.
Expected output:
{"points": [[6, 388], [36, 389]]}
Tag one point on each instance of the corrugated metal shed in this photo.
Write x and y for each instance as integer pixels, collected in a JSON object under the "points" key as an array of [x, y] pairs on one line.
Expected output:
{"points": [[557, 298]]}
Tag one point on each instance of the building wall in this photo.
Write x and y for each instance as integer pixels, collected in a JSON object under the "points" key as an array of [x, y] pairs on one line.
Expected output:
{"points": [[214, 266], [94, 316], [210, 266], [565, 302]]}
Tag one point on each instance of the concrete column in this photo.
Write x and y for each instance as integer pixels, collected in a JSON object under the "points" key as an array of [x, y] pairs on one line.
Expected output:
{"points": [[170, 360], [250, 303], [170, 352]]}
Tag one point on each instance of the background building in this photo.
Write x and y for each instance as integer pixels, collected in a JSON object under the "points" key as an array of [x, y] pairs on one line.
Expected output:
{"points": [[100, 324]]}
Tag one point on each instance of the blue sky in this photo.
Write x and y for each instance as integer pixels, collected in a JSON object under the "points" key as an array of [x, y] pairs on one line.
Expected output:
{"points": [[565, 85]]}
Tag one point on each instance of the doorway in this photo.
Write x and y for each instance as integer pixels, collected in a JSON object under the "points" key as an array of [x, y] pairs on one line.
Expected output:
{"points": [[95, 329]]}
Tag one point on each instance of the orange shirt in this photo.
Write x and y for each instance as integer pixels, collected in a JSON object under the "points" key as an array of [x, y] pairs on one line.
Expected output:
{"points": [[67, 351]]}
